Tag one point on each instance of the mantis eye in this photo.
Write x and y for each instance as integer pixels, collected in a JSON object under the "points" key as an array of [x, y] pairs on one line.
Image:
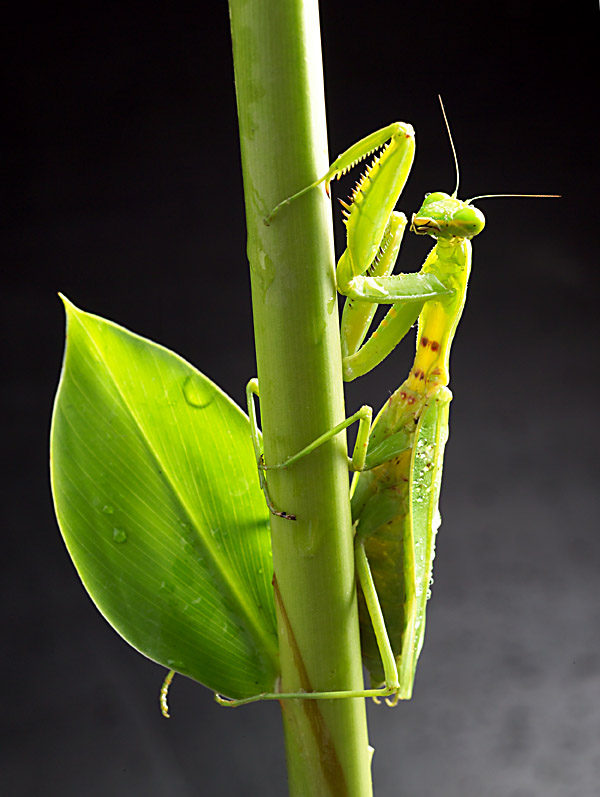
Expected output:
{"points": [[470, 220]]}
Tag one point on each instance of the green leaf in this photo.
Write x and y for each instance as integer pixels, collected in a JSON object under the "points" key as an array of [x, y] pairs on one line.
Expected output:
{"points": [[158, 500]]}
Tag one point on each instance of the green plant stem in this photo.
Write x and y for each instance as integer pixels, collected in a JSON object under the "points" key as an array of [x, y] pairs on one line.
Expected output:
{"points": [[279, 83]]}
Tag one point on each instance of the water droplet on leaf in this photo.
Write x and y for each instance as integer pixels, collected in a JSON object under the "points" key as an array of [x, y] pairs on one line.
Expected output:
{"points": [[197, 392], [119, 536]]}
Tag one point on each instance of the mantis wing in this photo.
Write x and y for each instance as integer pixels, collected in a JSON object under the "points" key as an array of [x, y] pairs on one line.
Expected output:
{"points": [[424, 520], [398, 524]]}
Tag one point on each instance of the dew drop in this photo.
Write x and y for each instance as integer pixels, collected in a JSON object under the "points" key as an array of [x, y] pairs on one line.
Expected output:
{"points": [[119, 536], [108, 509], [197, 392]]}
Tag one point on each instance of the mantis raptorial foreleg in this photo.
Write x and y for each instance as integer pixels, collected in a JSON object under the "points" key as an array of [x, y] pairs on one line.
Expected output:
{"points": [[353, 155], [374, 233]]}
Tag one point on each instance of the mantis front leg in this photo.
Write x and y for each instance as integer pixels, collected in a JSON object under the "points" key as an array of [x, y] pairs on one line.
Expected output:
{"points": [[374, 234]]}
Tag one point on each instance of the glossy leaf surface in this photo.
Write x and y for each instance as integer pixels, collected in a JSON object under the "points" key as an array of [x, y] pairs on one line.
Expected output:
{"points": [[158, 501]]}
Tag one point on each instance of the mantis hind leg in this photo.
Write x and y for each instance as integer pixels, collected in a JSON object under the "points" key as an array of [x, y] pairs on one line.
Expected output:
{"points": [[388, 660], [164, 692], [387, 657]]}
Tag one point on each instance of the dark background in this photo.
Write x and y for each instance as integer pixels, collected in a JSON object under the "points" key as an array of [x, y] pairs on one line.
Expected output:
{"points": [[122, 189]]}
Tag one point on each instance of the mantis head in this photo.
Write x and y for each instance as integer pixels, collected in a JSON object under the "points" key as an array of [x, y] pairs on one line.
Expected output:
{"points": [[446, 217]]}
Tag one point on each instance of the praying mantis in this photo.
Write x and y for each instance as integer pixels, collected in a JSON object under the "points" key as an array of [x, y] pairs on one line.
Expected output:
{"points": [[398, 459]]}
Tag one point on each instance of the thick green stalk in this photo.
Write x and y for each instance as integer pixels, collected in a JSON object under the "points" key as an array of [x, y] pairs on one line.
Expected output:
{"points": [[279, 83]]}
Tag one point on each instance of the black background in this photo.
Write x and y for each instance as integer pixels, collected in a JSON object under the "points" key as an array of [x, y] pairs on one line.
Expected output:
{"points": [[122, 189]]}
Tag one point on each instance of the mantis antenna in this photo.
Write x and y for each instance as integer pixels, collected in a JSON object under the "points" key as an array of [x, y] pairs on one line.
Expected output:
{"points": [[481, 196], [455, 194], [495, 196]]}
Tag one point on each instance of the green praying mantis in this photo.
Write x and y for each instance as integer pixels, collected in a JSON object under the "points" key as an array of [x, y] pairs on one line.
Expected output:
{"points": [[398, 459]]}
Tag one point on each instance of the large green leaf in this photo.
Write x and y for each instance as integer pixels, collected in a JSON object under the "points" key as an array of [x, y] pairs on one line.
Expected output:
{"points": [[158, 501]]}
